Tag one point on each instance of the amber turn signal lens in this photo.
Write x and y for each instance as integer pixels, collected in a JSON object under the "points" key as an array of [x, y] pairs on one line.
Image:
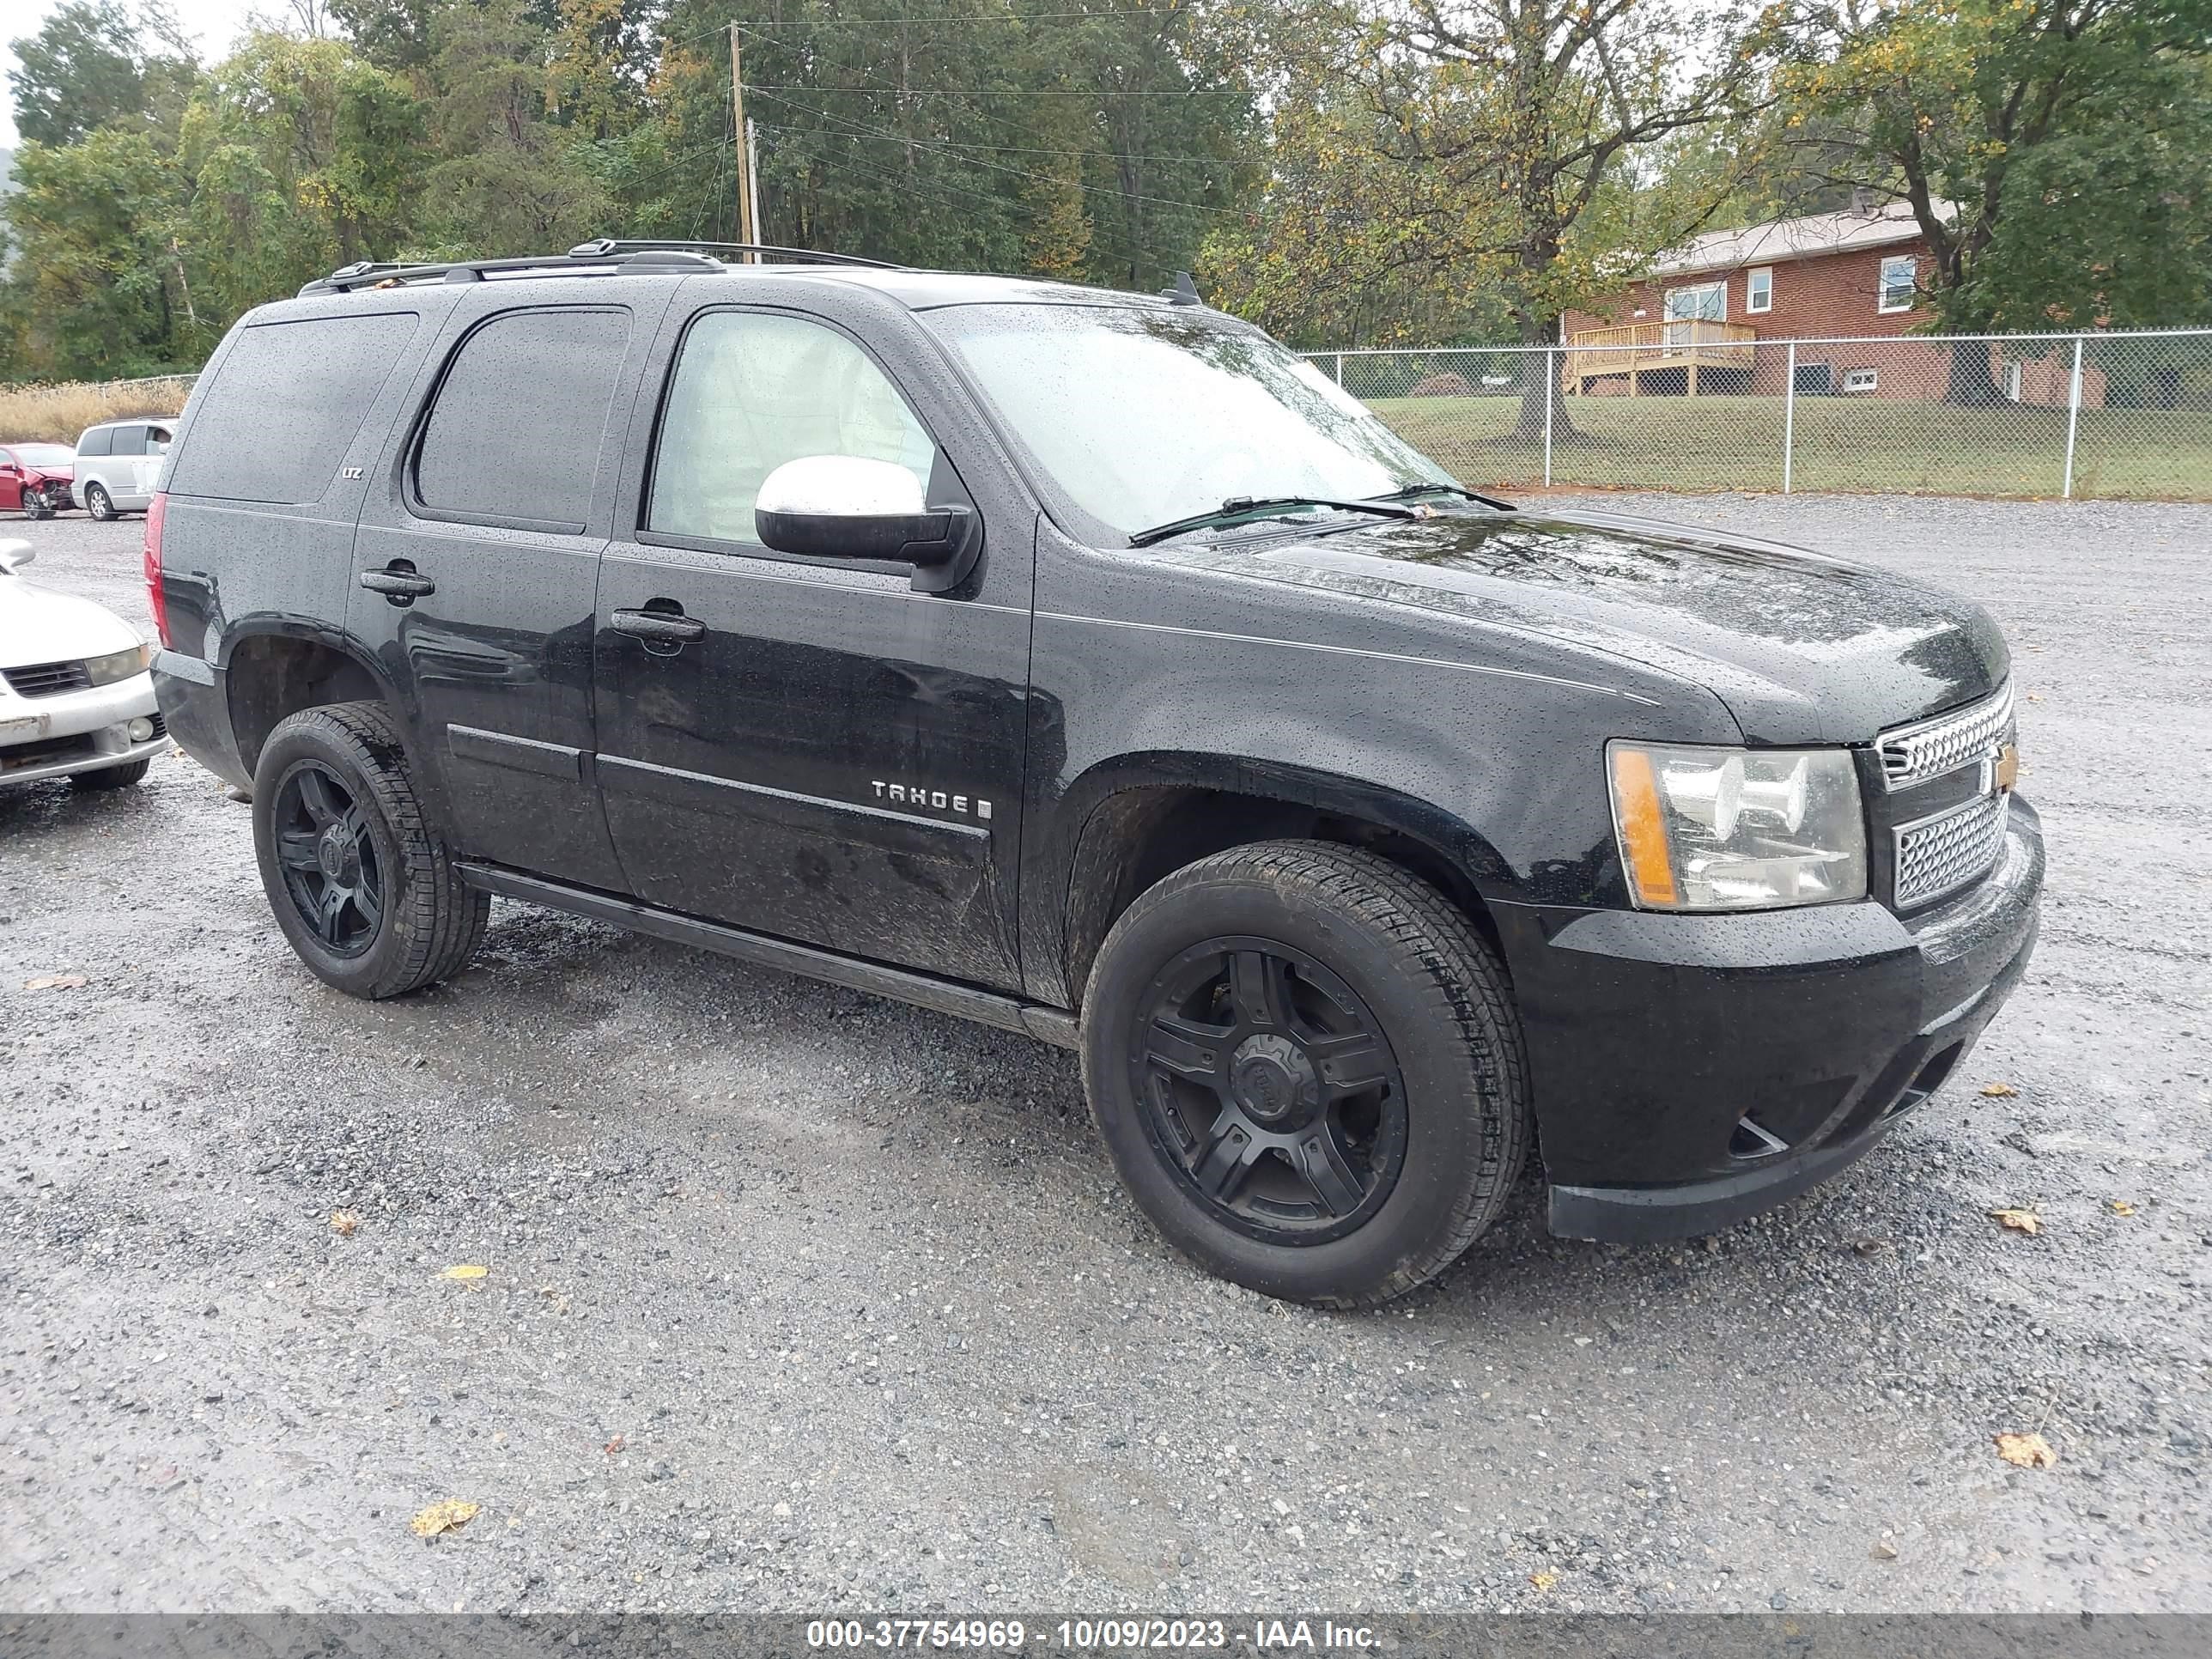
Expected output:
{"points": [[1642, 829]]}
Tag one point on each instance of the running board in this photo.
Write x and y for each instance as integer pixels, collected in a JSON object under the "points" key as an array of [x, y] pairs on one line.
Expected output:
{"points": [[1055, 1025]]}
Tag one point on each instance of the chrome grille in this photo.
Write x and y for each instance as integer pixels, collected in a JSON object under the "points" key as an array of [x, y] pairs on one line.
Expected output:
{"points": [[1940, 854], [47, 679], [1928, 749]]}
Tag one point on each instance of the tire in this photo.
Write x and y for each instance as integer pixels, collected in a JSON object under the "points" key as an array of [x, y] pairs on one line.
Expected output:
{"points": [[97, 503], [361, 883], [111, 777], [1369, 1071], [37, 506]]}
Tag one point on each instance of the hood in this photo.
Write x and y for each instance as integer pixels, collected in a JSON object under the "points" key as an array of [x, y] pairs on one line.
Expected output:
{"points": [[49, 474], [1800, 648], [39, 625]]}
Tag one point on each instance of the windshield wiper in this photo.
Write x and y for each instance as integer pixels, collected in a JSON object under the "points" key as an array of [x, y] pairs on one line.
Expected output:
{"points": [[1414, 491], [1237, 506]]}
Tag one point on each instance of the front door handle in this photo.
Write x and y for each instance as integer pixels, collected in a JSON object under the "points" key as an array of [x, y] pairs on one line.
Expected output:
{"points": [[658, 627], [400, 582]]}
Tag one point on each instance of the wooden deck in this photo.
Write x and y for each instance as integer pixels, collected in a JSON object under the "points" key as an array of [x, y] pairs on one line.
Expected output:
{"points": [[1682, 352]]}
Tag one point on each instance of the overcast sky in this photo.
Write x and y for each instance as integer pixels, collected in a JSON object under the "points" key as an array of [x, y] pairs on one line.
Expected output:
{"points": [[213, 23]]}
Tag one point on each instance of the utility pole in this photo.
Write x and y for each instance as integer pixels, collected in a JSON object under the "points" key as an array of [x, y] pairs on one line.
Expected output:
{"points": [[748, 227]]}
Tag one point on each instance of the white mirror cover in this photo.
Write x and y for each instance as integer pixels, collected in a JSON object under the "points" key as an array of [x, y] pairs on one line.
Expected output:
{"points": [[841, 487], [14, 553]]}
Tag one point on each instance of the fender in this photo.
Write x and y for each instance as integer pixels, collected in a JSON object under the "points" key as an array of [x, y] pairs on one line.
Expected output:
{"points": [[375, 679], [1079, 874]]}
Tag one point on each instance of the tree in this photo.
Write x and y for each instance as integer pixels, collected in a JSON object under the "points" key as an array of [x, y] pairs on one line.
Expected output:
{"points": [[2054, 152], [92, 287], [1490, 147], [76, 73]]}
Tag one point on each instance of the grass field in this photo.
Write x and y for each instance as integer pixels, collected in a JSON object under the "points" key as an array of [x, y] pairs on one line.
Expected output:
{"points": [[56, 414], [1869, 445]]}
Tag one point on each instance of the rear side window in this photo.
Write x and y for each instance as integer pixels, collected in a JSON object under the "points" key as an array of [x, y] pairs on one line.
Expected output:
{"points": [[514, 436], [286, 403], [96, 441]]}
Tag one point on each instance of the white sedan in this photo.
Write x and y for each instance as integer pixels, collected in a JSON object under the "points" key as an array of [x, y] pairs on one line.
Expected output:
{"points": [[75, 700]]}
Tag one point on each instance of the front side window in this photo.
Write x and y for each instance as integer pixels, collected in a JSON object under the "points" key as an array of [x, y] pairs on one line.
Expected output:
{"points": [[514, 438], [754, 389], [1898, 276], [130, 440], [1759, 289], [1139, 416]]}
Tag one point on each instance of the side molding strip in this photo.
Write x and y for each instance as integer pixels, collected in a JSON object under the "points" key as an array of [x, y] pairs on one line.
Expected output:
{"points": [[547, 760], [1054, 1025]]}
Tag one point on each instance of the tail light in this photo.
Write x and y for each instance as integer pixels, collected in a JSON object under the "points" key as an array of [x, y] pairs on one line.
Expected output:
{"points": [[154, 596]]}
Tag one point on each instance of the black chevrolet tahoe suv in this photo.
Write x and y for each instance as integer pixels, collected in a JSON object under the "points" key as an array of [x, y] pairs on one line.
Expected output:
{"points": [[1088, 665]]}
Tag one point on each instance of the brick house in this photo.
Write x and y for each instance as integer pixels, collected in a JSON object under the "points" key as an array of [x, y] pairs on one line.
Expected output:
{"points": [[1701, 321]]}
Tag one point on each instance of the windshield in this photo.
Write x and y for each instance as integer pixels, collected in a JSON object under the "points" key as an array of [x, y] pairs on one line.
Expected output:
{"points": [[1140, 417], [45, 454]]}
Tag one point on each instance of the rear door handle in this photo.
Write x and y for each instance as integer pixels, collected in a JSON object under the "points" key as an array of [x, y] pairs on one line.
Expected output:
{"points": [[400, 582], [658, 627]]}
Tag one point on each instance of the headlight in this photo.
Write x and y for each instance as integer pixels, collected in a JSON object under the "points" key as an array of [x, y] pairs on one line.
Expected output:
{"points": [[117, 666], [1736, 828]]}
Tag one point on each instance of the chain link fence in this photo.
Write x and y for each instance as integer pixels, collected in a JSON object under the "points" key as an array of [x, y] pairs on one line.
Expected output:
{"points": [[1703, 405]]}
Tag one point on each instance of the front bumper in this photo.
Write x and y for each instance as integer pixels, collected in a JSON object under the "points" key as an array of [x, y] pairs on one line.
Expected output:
{"points": [[1692, 1070], [76, 731]]}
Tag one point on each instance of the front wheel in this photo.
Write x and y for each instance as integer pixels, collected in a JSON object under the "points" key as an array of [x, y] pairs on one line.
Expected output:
{"points": [[362, 885], [1306, 1065], [36, 505], [97, 503]]}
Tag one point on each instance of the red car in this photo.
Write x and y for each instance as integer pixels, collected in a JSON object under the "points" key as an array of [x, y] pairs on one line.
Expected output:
{"points": [[34, 479]]}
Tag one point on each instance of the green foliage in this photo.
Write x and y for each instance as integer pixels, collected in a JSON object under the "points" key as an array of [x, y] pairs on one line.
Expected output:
{"points": [[1347, 172], [78, 73], [2054, 151]]}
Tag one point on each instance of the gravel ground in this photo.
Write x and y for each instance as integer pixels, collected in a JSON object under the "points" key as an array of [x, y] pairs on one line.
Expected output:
{"points": [[799, 1300]]}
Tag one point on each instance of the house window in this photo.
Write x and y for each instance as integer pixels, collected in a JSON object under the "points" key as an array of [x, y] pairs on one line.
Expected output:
{"points": [[1898, 276], [1759, 289], [1706, 302], [1860, 380]]}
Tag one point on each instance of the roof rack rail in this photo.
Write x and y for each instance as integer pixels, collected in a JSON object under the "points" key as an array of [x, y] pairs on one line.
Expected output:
{"points": [[602, 256], [605, 245]]}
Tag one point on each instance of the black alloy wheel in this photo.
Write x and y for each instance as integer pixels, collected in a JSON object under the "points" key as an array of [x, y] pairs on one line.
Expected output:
{"points": [[328, 859], [1272, 1088], [1306, 1066]]}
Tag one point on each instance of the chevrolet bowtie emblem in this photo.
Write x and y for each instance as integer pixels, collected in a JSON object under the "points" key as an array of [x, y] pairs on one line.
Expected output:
{"points": [[2008, 766]]}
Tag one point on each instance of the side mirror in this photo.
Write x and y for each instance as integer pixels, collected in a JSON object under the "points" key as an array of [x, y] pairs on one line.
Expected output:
{"points": [[15, 555], [846, 506]]}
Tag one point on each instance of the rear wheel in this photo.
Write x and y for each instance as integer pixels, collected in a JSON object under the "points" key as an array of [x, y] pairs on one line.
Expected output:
{"points": [[362, 885], [111, 777], [97, 503], [1307, 1067]]}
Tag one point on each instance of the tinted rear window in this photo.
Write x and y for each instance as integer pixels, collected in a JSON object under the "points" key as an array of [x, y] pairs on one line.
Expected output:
{"points": [[285, 406], [95, 441], [513, 437]]}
